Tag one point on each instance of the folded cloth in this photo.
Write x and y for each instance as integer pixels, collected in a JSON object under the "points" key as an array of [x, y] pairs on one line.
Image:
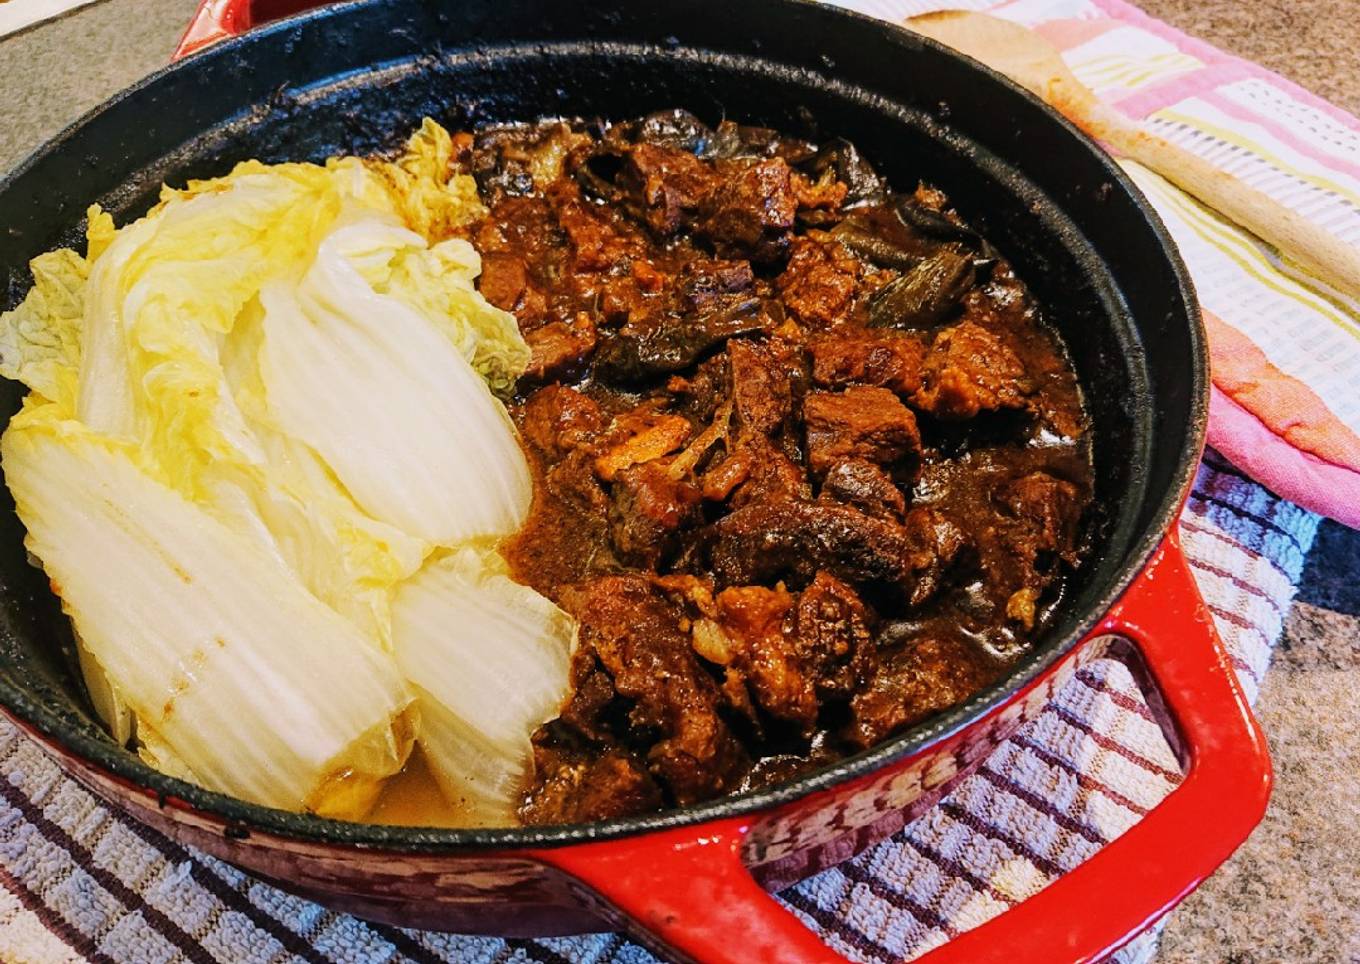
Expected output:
{"points": [[15, 15], [81, 883], [1284, 347], [78, 883]]}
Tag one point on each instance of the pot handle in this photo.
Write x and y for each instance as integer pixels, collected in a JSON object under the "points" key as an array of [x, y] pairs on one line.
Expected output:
{"points": [[687, 892], [214, 20]]}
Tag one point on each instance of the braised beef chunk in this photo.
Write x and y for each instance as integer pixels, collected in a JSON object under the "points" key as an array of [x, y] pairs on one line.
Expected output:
{"points": [[885, 359], [757, 471], [560, 350], [1002, 303], [648, 511], [589, 712], [938, 545], [767, 541], [635, 633], [600, 244], [703, 283], [588, 785], [558, 420], [808, 464], [860, 423], [913, 681], [866, 486], [831, 634], [1049, 505], [820, 281], [574, 483], [819, 200], [750, 212], [764, 378], [969, 370], [701, 393], [550, 559], [503, 280], [663, 186], [762, 655]]}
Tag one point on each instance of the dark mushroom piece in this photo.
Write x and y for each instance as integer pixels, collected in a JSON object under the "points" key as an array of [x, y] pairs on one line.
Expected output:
{"points": [[499, 162], [678, 129], [933, 224], [596, 172], [733, 140], [874, 246], [924, 295], [850, 168], [670, 343]]}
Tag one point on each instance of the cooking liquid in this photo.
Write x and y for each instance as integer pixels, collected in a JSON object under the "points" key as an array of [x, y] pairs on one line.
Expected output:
{"points": [[412, 798]]}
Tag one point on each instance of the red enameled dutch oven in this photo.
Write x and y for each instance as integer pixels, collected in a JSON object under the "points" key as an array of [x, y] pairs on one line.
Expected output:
{"points": [[693, 883]]}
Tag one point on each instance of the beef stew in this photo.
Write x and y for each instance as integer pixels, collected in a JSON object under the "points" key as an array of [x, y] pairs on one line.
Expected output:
{"points": [[809, 464]]}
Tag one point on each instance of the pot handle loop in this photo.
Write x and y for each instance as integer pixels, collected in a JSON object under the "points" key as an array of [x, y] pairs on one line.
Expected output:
{"points": [[689, 896], [687, 893], [214, 20]]}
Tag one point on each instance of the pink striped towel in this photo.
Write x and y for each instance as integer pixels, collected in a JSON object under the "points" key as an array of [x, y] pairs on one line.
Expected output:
{"points": [[81, 884]]}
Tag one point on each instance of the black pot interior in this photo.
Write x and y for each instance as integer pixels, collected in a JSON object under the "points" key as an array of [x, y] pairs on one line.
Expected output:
{"points": [[357, 78]]}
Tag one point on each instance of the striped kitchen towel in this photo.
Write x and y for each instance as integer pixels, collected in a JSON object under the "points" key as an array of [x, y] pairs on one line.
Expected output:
{"points": [[1284, 347], [82, 884]]}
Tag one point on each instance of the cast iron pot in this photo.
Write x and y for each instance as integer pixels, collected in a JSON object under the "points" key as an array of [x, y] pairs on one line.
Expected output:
{"points": [[693, 883]]}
